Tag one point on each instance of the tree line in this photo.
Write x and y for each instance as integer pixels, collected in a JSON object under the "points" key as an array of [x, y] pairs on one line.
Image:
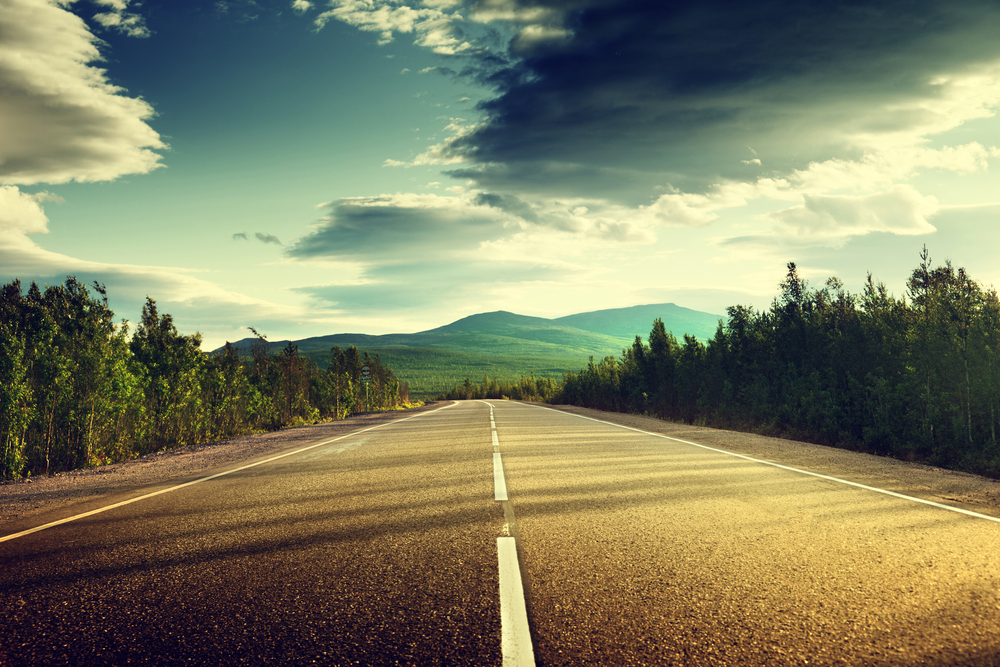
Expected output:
{"points": [[77, 390], [529, 388], [916, 377]]}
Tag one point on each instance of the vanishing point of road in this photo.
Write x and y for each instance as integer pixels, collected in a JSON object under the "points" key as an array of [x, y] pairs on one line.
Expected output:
{"points": [[501, 533]]}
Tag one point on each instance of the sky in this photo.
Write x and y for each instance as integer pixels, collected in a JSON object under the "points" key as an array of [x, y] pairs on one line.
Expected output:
{"points": [[309, 167]]}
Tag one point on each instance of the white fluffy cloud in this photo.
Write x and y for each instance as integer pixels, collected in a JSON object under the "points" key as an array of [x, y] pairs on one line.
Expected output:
{"points": [[61, 118], [21, 213]]}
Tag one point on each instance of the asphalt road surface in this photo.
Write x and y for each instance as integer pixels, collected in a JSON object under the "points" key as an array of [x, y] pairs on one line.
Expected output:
{"points": [[410, 544]]}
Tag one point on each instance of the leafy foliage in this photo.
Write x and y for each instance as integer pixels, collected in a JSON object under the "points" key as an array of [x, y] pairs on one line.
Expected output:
{"points": [[76, 390]]}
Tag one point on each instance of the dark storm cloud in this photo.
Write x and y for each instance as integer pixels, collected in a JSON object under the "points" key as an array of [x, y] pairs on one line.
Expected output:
{"points": [[691, 87]]}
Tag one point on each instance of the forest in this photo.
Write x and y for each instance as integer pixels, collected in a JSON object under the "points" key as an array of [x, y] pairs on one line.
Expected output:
{"points": [[77, 390], [914, 377]]}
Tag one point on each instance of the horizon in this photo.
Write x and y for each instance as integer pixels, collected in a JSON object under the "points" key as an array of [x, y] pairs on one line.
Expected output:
{"points": [[305, 167], [493, 312]]}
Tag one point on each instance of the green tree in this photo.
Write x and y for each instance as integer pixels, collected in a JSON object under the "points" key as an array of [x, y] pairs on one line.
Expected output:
{"points": [[170, 364]]}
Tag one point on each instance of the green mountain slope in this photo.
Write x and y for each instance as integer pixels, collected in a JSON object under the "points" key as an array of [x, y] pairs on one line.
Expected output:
{"points": [[628, 322], [505, 345]]}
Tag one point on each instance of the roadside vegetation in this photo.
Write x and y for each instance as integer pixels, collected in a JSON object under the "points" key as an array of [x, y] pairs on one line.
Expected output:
{"points": [[915, 377], [543, 389], [76, 390]]}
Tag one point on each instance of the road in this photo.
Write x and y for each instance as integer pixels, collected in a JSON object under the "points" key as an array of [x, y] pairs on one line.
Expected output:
{"points": [[387, 546]]}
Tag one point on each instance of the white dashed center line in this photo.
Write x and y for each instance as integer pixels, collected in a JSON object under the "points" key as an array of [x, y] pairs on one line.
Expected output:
{"points": [[515, 634], [499, 483]]}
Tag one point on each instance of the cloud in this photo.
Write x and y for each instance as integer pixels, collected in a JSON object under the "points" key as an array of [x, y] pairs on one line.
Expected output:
{"points": [[694, 210], [239, 9], [301, 6], [393, 227], [675, 92], [832, 220], [475, 251], [433, 28], [880, 168], [507, 203], [21, 213], [267, 238], [512, 11], [902, 211], [61, 118], [240, 236], [412, 287], [120, 19], [452, 150]]}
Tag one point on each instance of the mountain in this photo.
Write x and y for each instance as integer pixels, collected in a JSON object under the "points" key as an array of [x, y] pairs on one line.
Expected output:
{"points": [[506, 345], [628, 322]]}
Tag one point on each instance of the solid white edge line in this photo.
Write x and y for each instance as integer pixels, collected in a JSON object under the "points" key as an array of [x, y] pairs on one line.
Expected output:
{"points": [[496, 443], [210, 477], [515, 637], [499, 483], [959, 510]]}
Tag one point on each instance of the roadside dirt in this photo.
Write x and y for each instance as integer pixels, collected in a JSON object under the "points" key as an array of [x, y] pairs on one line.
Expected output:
{"points": [[20, 501]]}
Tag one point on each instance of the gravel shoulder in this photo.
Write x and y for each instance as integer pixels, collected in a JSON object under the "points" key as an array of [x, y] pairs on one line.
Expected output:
{"points": [[43, 498]]}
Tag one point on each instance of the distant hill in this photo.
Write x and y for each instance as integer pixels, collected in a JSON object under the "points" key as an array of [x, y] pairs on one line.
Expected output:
{"points": [[506, 345], [638, 320]]}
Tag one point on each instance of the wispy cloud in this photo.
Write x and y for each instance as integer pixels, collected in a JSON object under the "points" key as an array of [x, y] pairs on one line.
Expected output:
{"points": [[238, 10], [267, 238], [240, 236]]}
